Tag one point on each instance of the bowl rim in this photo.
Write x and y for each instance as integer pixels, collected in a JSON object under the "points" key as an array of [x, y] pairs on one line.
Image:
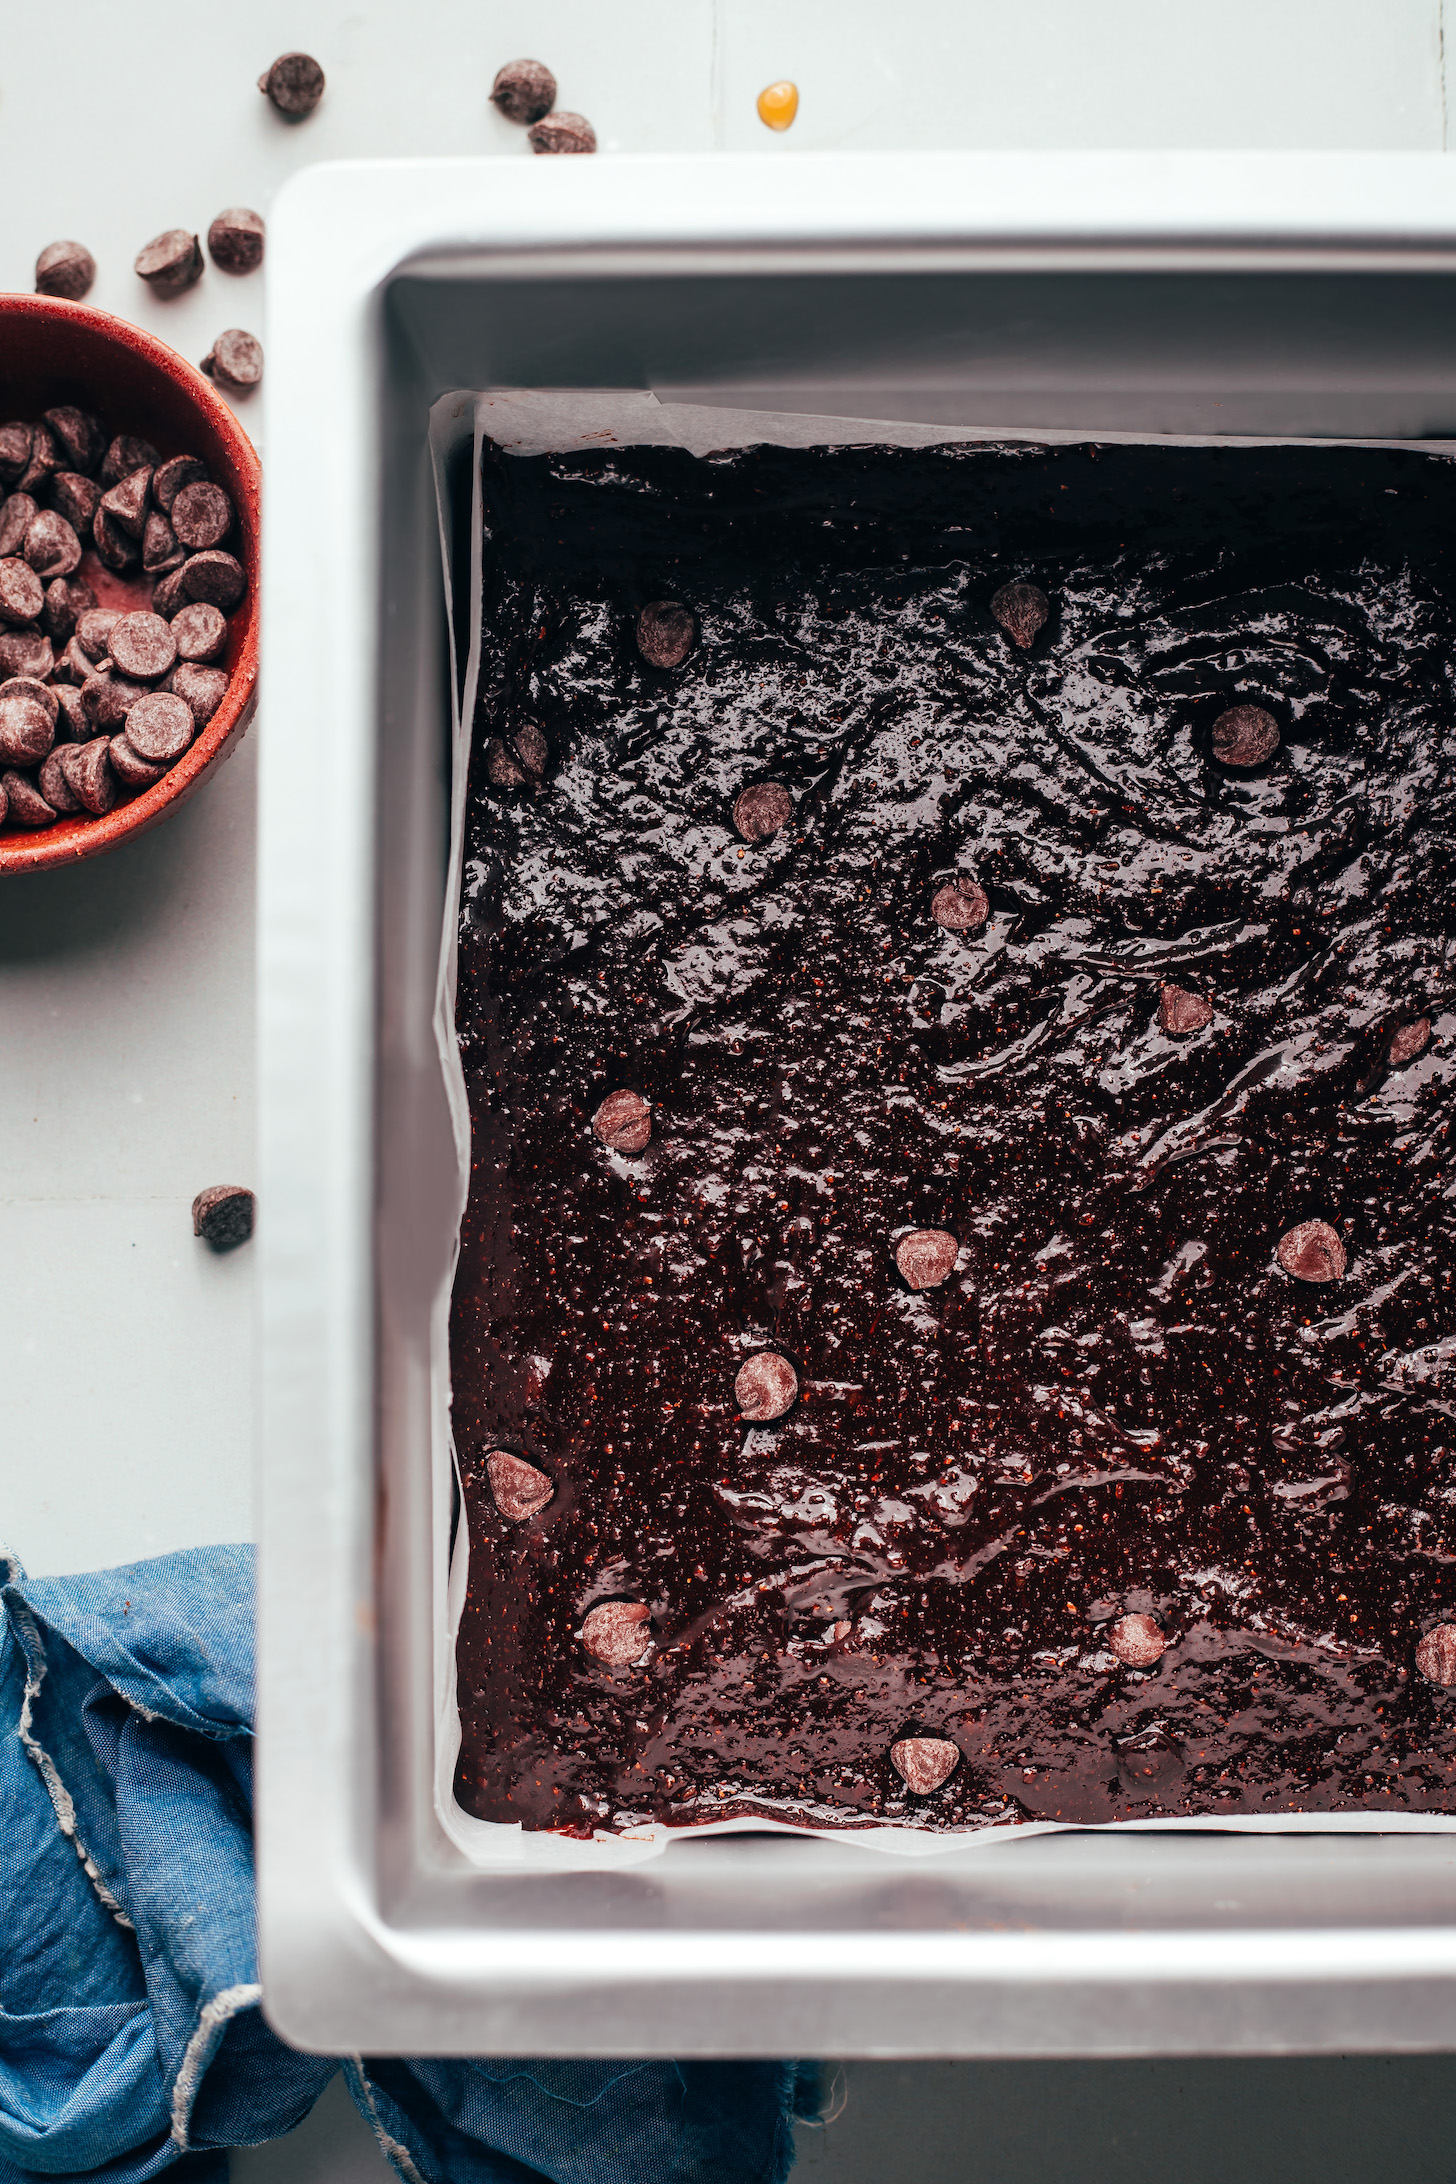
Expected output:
{"points": [[73, 843]]}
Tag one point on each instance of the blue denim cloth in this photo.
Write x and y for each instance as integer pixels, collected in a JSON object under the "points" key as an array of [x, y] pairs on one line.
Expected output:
{"points": [[131, 2033]]}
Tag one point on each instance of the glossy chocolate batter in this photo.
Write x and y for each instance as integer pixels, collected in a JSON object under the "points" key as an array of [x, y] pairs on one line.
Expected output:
{"points": [[1135, 1518]]}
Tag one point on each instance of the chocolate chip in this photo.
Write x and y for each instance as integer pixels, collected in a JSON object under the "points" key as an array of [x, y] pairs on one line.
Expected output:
{"points": [[76, 497], [502, 770], [67, 598], [1021, 610], [72, 725], [202, 515], [766, 1386], [623, 1122], [87, 768], [235, 360], [215, 578], [22, 595], [518, 1488], [14, 453], [223, 1215], [108, 699], [761, 810], [27, 721], [132, 771], [927, 1257], [960, 906], [1180, 1011], [201, 689], [16, 518], [295, 84], [93, 632], [80, 437], [159, 726], [127, 502], [562, 133], [143, 647], [24, 802], [46, 458], [1137, 1640], [26, 652], [236, 240], [617, 1632], [51, 546], [125, 455], [168, 597], [1245, 736], [524, 91], [65, 269], [665, 633], [1312, 1252], [171, 262], [199, 633], [115, 548], [54, 786], [1436, 1654], [169, 478], [1408, 1042], [161, 550], [923, 1763]]}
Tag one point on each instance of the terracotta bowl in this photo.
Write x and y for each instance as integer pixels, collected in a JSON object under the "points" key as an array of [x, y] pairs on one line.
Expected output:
{"points": [[53, 352]]}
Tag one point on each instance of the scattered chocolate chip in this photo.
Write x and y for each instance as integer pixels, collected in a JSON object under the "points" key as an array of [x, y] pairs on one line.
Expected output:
{"points": [[26, 652], [159, 726], [235, 240], [923, 1763], [223, 1215], [24, 802], [199, 633], [235, 360], [171, 262], [1137, 1640], [72, 725], [1408, 1042], [93, 632], [1312, 1252], [116, 549], [1245, 736], [623, 1122], [202, 515], [131, 770], [1021, 610], [766, 1386], [1436, 1654], [519, 1488], [161, 549], [502, 770], [22, 595], [168, 597], [201, 689], [927, 1257], [27, 721], [14, 453], [80, 437], [617, 1632], [51, 546], [46, 458], [960, 906], [126, 503], [87, 768], [67, 598], [108, 699], [73, 666], [524, 91], [169, 478], [65, 269], [53, 785], [214, 578], [295, 84], [562, 133], [143, 647], [665, 633], [16, 518], [76, 497], [761, 810], [125, 455], [1180, 1011]]}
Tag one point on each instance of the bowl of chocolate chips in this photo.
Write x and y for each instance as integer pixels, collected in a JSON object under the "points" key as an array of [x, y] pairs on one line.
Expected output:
{"points": [[129, 518]]}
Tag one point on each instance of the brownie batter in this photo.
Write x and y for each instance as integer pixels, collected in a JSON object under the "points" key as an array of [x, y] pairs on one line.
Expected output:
{"points": [[1138, 1502]]}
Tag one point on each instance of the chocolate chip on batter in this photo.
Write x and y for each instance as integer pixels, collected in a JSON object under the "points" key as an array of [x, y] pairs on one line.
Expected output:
{"points": [[617, 1632], [201, 689], [14, 453], [22, 594], [169, 478], [562, 133], [665, 633], [51, 546], [93, 632], [294, 84], [1436, 1654], [24, 802], [927, 1257], [65, 269], [171, 262], [116, 549], [524, 91], [1409, 1041], [235, 360], [76, 497], [923, 1763], [235, 240], [143, 647], [623, 1122], [53, 785], [27, 721], [16, 518], [26, 652], [519, 1489], [87, 768], [159, 726], [1312, 1252], [131, 770], [760, 811], [199, 633], [67, 598], [960, 906], [80, 436], [1245, 736], [223, 1215], [1137, 1640], [766, 1386], [1180, 1011], [215, 578], [126, 454], [1021, 610]]}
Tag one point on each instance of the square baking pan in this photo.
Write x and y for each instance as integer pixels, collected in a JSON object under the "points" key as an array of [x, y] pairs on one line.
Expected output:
{"points": [[1265, 296]]}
